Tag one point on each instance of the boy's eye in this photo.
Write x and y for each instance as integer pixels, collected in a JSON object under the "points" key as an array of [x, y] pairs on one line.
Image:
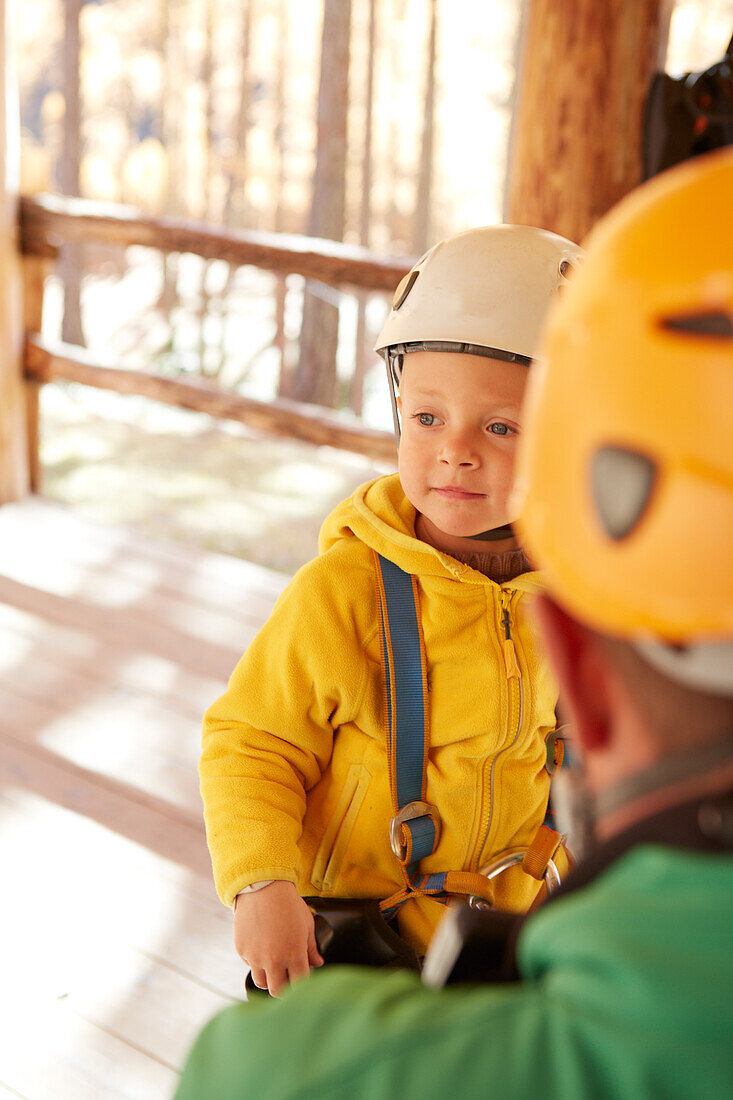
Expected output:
{"points": [[500, 429], [426, 419]]}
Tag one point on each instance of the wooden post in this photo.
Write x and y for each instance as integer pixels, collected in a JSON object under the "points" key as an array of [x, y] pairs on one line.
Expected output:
{"points": [[14, 480], [34, 273], [583, 79]]}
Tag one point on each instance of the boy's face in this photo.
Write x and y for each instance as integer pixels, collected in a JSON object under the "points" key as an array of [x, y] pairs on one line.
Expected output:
{"points": [[461, 419]]}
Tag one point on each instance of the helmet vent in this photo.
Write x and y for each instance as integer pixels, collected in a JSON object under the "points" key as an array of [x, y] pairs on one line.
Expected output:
{"points": [[404, 288], [714, 323], [622, 482]]}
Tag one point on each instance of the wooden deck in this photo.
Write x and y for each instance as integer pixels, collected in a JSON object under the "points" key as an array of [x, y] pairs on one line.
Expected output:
{"points": [[114, 949]]}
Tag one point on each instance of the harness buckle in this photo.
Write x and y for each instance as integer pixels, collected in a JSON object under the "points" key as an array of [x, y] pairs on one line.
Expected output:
{"points": [[409, 812]]}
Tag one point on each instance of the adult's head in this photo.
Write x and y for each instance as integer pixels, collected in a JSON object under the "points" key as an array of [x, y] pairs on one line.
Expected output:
{"points": [[626, 483]]}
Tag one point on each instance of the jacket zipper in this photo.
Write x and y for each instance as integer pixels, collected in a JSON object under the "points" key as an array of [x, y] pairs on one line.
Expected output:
{"points": [[515, 709]]}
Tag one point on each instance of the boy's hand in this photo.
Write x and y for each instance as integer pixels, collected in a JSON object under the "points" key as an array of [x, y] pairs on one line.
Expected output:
{"points": [[274, 934]]}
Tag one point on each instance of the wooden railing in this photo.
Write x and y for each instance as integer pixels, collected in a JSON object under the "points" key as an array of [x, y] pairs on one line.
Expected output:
{"points": [[48, 221]]}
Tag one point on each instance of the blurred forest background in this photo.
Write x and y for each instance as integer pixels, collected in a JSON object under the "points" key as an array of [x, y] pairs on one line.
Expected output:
{"points": [[382, 123]]}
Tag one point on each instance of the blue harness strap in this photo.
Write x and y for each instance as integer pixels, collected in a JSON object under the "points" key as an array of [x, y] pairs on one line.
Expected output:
{"points": [[415, 824]]}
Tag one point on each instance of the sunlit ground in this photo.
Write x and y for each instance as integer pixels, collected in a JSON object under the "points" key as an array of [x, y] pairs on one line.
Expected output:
{"points": [[176, 475], [114, 950], [100, 942]]}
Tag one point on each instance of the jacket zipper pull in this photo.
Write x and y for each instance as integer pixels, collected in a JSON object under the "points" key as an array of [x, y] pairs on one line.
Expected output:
{"points": [[510, 653]]}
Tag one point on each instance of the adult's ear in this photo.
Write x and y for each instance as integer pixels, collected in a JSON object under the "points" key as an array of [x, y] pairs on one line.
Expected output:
{"points": [[583, 676]]}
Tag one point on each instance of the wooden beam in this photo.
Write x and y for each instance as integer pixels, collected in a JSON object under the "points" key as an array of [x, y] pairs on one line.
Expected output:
{"points": [[14, 480], [48, 219], [583, 78], [34, 270], [46, 363]]}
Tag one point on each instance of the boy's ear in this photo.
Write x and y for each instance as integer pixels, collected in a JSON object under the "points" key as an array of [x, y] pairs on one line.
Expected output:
{"points": [[581, 671], [399, 402]]}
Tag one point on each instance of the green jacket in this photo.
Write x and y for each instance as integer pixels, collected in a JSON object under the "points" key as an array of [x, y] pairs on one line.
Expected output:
{"points": [[626, 991]]}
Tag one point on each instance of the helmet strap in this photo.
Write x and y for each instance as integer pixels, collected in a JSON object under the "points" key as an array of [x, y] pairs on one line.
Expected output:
{"points": [[667, 773], [394, 368]]}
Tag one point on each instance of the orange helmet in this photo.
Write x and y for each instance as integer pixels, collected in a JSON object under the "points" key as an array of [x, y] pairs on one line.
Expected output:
{"points": [[626, 471]]}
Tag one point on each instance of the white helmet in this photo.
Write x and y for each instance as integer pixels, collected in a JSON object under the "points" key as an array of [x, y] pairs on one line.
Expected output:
{"points": [[485, 292], [482, 292]]}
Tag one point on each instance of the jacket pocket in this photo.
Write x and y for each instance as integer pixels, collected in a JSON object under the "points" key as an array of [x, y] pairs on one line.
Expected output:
{"points": [[330, 854]]}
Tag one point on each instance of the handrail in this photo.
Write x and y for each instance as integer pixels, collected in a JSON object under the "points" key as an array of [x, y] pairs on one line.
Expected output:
{"points": [[45, 362], [48, 220]]}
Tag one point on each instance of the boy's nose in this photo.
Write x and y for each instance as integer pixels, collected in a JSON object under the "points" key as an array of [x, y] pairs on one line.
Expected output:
{"points": [[458, 450]]}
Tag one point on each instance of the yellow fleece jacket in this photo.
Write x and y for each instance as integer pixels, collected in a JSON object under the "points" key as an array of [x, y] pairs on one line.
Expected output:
{"points": [[294, 769]]}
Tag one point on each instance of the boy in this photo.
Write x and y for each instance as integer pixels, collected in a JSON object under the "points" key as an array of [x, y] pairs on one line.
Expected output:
{"points": [[298, 766]]}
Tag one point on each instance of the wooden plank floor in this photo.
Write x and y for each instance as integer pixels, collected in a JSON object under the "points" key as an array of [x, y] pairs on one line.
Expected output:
{"points": [[114, 949]]}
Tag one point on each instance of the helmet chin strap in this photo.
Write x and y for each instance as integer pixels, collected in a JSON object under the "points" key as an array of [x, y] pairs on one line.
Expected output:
{"points": [[668, 772], [577, 810], [496, 534]]}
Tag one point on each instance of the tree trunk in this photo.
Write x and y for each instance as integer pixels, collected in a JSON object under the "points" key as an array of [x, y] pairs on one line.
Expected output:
{"points": [[395, 169], [363, 354], [316, 379], [207, 75], [13, 439], [70, 263], [169, 138], [286, 379], [421, 233], [235, 204], [585, 73], [235, 201]]}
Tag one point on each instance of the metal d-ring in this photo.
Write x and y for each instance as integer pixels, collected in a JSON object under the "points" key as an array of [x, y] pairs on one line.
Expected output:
{"points": [[409, 812]]}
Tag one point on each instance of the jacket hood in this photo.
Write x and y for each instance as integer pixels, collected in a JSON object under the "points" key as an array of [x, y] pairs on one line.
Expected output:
{"points": [[379, 514]]}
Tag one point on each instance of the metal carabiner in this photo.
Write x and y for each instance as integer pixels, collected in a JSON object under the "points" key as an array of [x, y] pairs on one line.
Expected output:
{"points": [[510, 859]]}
